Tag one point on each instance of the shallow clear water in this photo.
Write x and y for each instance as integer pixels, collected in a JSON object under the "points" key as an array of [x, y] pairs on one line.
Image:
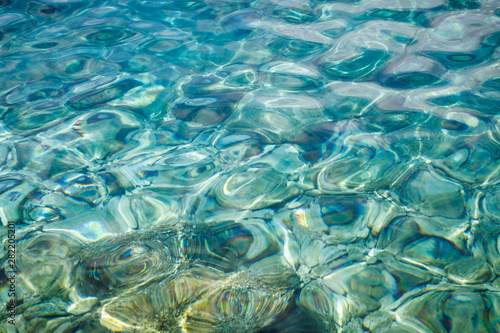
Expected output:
{"points": [[250, 166]]}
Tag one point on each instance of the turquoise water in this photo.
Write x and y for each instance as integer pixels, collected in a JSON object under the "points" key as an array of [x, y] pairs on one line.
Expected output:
{"points": [[250, 166]]}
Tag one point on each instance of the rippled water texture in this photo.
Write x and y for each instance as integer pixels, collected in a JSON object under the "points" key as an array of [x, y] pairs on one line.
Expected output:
{"points": [[248, 166]]}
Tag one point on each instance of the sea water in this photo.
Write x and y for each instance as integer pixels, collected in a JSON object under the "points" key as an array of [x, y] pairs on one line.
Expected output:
{"points": [[250, 166]]}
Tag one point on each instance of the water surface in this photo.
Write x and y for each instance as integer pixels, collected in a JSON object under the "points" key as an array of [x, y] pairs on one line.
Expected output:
{"points": [[250, 166]]}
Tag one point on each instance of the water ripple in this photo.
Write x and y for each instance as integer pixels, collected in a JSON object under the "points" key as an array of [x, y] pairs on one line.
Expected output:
{"points": [[250, 165]]}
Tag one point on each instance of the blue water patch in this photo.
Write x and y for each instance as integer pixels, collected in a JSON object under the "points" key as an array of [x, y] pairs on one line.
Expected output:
{"points": [[249, 166]]}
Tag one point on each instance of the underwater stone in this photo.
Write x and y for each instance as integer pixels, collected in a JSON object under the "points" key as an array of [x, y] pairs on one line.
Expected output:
{"points": [[318, 299], [83, 306], [445, 311], [469, 270], [45, 310], [433, 194], [158, 306], [431, 252], [102, 96], [206, 300], [254, 188]]}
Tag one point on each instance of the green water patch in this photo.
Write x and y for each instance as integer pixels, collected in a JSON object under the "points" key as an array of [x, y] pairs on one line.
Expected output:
{"points": [[294, 48], [463, 4], [45, 94], [408, 16], [102, 96], [187, 5], [295, 15], [46, 45], [469, 100], [359, 67], [109, 36], [492, 40], [459, 60], [493, 84], [412, 80], [390, 121]]}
